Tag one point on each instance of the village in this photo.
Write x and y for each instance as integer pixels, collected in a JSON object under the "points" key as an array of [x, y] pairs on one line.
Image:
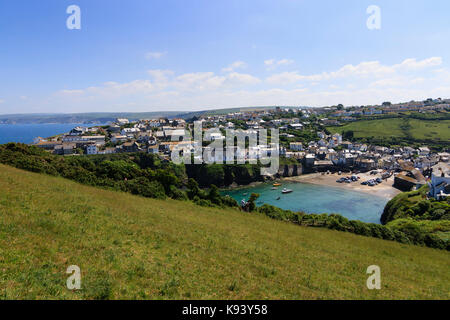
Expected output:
{"points": [[304, 143]]}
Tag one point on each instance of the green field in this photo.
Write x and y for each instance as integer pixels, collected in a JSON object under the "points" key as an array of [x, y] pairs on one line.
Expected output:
{"points": [[403, 128], [130, 247]]}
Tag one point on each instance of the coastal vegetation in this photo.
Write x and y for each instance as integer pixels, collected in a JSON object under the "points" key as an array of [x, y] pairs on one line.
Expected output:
{"points": [[131, 247], [416, 205], [416, 215], [139, 173], [434, 235], [224, 174]]}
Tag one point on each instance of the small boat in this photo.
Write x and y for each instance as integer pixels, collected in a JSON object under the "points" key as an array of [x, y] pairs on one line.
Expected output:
{"points": [[286, 190], [274, 188], [278, 198], [277, 184]]}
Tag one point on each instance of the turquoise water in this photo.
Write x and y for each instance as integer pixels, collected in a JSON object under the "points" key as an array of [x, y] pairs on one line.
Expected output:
{"points": [[25, 133], [312, 198]]}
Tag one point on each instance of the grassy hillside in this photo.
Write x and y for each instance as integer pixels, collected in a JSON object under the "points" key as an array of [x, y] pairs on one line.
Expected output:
{"points": [[409, 129], [133, 247]]}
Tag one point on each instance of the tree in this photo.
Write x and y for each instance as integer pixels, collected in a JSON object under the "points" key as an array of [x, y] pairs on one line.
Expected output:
{"points": [[167, 179], [214, 195], [348, 135], [193, 189], [251, 202]]}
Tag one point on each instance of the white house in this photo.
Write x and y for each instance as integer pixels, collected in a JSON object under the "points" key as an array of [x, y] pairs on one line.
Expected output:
{"points": [[296, 126], [127, 131], [122, 121], [118, 138], [91, 149], [153, 149], [424, 151], [296, 146], [154, 123], [77, 131], [309, 159], [322, 143], [96, 139], [440, 181], [338, 138]]}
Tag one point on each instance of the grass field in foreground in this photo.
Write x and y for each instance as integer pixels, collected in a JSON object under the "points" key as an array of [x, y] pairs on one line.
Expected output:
{"points": [[397, 127], [132, 247]]}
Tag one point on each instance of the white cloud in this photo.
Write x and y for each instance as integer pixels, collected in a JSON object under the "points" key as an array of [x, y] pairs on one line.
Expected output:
{"points": [[363, 83], [70, 92], [234, 66], [241, 79], [154, 55], [413, 64], [272, 64], [369, 69], [285, 78], [285, 62]]}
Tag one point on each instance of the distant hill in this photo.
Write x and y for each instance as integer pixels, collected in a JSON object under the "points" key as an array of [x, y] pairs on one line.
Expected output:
{"points": [[87, 118], [105, 117], [130, 247]]}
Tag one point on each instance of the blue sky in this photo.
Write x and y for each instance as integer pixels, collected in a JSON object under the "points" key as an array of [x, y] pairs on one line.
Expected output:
{"points": [[149, 55]]}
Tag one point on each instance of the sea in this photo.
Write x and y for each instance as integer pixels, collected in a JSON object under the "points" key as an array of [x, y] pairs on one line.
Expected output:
{"points": [[25, 133], [312, 198]]}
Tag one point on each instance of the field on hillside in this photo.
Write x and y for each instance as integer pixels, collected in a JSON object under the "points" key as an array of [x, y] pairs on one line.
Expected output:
{"points": [[438, 130], [130, 247]]}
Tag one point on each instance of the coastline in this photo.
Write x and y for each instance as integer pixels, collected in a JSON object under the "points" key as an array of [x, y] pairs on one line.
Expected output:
{"points": [[383, 190], [235, 186]]}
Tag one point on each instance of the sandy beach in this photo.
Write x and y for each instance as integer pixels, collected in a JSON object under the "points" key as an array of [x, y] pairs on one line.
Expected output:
{"points": [[385, 189]]}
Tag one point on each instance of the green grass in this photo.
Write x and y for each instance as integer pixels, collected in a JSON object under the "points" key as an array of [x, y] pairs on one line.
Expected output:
{"points": [[130, 247], [398, 127], [422, 129]]}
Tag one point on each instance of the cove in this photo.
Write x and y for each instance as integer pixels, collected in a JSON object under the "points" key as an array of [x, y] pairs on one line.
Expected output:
{"points": [[311, 198]]}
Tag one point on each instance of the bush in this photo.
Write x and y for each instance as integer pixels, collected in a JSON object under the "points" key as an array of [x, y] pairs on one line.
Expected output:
{"points": [[404, 231], [145, 188]]}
